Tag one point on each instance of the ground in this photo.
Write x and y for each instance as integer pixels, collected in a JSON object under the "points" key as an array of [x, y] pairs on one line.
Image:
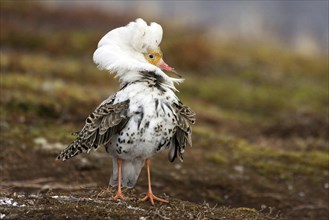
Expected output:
{"points": [[260, 143]]}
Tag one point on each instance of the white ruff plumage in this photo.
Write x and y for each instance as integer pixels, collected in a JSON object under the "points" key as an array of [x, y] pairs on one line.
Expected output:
{"points": [[121, 51], [145, 116]]}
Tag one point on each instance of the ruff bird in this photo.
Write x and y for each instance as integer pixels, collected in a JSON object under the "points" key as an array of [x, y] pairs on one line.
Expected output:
{"points": [[144, 116]]}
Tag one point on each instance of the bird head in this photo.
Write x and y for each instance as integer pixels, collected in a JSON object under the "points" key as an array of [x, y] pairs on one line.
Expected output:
{"points": [[127, 51], [154, 57]]}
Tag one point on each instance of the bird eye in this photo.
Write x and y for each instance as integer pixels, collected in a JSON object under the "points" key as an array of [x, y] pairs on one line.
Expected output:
{"points": [[151, 56]]}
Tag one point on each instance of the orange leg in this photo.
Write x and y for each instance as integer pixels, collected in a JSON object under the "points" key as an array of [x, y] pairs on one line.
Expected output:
{"points": [[149, 194], [119, 194]]}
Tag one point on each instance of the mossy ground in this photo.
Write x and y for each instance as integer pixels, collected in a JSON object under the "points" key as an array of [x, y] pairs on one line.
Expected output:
{"points": [[260, 145]]}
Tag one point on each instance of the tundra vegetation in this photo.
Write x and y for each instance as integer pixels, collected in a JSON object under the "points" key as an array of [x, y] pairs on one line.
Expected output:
{"points": [[260, 144]]}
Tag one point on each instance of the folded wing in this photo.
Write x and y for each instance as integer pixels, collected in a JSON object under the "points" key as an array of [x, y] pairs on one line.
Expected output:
{"points": [[183, 135], [107, 120]]}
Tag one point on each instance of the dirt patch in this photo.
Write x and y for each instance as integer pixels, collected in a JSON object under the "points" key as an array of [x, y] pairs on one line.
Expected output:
{"points": [[76, 206]]}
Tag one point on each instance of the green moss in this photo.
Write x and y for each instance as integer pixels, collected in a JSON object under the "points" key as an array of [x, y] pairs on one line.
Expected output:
{"points": [[218, 158], [267, 160], [203, 131], [317, 159], [20, 82], [260, 100]]}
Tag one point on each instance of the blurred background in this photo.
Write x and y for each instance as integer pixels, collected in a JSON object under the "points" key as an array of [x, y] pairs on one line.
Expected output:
{"points": [[300, 25], [256, 74]]}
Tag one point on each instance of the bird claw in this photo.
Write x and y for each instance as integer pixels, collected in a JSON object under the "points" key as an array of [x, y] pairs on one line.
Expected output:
{"points": [[152, 197], [103, 192]]}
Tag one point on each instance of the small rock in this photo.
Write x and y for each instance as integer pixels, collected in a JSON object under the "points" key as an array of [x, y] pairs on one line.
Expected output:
{"points": [[178, 166], [49, 147], [40, 141], [239, 168], [85, 164]]}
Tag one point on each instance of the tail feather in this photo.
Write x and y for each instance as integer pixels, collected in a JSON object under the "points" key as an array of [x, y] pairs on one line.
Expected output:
{"points": [[130, 171]]}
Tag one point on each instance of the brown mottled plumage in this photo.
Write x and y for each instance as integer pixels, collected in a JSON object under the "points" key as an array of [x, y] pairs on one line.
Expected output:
{"points": [[108, 119]]}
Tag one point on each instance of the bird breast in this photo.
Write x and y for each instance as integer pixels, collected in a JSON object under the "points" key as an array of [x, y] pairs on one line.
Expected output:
{"points": [[151, 126]]}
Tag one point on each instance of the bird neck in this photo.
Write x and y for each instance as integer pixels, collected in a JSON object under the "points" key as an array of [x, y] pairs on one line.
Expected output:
{"points": [[156, 79]]}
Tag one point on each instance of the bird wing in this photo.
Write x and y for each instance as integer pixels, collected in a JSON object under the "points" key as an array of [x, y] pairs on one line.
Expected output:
{"points": [[183, 136], [107, 120]]}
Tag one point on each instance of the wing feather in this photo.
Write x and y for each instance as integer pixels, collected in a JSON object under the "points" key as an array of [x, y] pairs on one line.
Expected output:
{"points": [[183, 136], [107, 120]]}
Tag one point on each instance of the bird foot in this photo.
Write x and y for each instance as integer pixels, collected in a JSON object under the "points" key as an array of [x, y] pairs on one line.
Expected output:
{"points": [[103, 192], [119, 195], [152, 197]]}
